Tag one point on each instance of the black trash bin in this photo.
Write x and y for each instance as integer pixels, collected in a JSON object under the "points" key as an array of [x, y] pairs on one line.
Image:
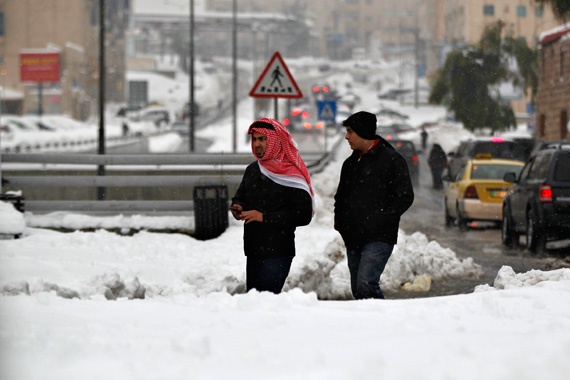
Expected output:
{"points": [[17, 200], [210, 211]]}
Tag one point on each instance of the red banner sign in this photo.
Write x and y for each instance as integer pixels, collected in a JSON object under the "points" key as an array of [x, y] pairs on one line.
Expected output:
{"points": [[39, 67]]}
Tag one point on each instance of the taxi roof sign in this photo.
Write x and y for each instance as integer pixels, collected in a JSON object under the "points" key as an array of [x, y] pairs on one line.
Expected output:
{"points": [[276, 81]]}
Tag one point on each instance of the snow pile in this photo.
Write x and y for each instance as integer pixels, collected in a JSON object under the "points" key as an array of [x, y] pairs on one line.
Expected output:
{"points": [[508, 279], [12, 222]]}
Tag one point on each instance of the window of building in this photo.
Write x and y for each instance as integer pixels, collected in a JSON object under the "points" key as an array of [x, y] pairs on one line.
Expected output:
{"points": [[561, 64], [521, 11], [539, 11], [1, 23], [353, 16], [489, 10], [94, 14]]}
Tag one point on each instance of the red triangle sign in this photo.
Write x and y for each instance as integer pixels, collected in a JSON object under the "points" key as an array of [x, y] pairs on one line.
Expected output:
{"points": [[276, 81]]}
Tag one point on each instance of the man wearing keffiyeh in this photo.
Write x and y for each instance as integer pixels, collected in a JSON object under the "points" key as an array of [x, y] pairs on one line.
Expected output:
{"points": [[273, 199]]}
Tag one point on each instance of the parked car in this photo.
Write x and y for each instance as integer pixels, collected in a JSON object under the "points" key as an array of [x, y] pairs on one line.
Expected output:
{"points": [[496, 147], [181, 127], [390, 113], [477, 190], [128, 109], [393, 94], [303, 119], [546, 144], [538, 203], [159, 116], [408, 150], [527, 145], [389, 132], [323, 92], [321, 88], [18, 124]]}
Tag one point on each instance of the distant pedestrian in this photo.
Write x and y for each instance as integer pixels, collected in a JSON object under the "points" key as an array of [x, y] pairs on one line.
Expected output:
{"points": [[424, 138], [125, 129], [437, 162]]}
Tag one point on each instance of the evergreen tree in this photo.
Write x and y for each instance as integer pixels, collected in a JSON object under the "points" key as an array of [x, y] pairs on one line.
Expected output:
{"points": [[469, 81], [560, 8]]}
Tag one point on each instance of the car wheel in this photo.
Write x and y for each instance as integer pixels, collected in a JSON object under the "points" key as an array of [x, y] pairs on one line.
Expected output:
{"points": [[509, 237], [535, 239], [461, 221], [448, 218]]}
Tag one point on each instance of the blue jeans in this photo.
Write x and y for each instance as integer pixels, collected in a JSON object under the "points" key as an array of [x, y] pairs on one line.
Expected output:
{"points": [[366, 264], [267, 274]]}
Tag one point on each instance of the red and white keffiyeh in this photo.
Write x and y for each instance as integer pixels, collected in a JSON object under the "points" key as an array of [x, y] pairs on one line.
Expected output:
{"points": [[282, 162]]}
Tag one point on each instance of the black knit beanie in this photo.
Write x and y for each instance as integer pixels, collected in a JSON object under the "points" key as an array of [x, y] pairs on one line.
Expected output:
{"points": [[363, 123]]}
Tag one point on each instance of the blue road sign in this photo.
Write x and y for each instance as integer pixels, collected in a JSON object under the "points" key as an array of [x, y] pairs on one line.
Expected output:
{"points": [[326, 110]]}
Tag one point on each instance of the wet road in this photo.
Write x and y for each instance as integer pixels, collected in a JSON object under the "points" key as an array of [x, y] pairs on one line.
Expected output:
{"points": [[482, 243]]}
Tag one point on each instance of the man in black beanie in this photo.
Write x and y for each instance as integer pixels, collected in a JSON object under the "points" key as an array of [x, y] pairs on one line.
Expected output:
{"points": [[375, 189]]}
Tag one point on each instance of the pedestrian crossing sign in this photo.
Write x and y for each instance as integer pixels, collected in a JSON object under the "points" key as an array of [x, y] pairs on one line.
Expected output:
{"points": [[326, 110], [276, 81]]}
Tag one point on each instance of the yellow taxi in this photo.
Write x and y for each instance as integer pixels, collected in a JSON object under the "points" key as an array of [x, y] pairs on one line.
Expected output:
{"points": [[477, 190]]}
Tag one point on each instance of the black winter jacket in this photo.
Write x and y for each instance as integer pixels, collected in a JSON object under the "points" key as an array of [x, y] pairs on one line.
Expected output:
{"points": [[284, 208], [373, 192]]}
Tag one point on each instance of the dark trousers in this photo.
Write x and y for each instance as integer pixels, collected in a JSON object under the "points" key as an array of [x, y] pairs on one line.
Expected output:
{"points": [[365, 266], [267, 274], [437, 179]]}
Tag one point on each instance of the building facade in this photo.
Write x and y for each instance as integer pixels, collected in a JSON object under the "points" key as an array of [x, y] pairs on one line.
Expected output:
{"points": [[465, 21], [72, 29], [553, 97], [417, 32]]}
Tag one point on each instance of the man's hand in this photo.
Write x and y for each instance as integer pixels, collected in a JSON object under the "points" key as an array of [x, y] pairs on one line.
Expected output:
{"points": [[236, 211], [247, 216], [251, 216]]}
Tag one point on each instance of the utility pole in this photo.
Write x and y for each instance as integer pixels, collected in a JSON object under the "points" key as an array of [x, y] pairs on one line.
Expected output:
{"points": [[417, 66], [191, 109], [101, 149], [234, 69], [416, 32]]}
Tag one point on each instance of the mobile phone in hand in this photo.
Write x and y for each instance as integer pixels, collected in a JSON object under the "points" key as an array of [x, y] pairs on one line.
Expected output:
{"points": [[237, 210]]}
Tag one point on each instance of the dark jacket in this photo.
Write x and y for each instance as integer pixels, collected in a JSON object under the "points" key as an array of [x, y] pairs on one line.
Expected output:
{"points": [[284, 208], [437, 158], [374, 191]]}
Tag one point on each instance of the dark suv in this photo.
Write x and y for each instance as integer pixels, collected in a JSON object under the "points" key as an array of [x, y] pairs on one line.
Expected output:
{"points": [[538, 203], [492, 147]]}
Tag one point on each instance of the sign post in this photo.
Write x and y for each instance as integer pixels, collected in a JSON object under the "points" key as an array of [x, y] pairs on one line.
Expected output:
{"points": [[39, 66], [276, 82], [326, 112]]}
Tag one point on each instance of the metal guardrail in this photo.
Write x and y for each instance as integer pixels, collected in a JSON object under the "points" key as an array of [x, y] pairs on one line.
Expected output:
{"points": [[128, 159], [195, 170]]}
